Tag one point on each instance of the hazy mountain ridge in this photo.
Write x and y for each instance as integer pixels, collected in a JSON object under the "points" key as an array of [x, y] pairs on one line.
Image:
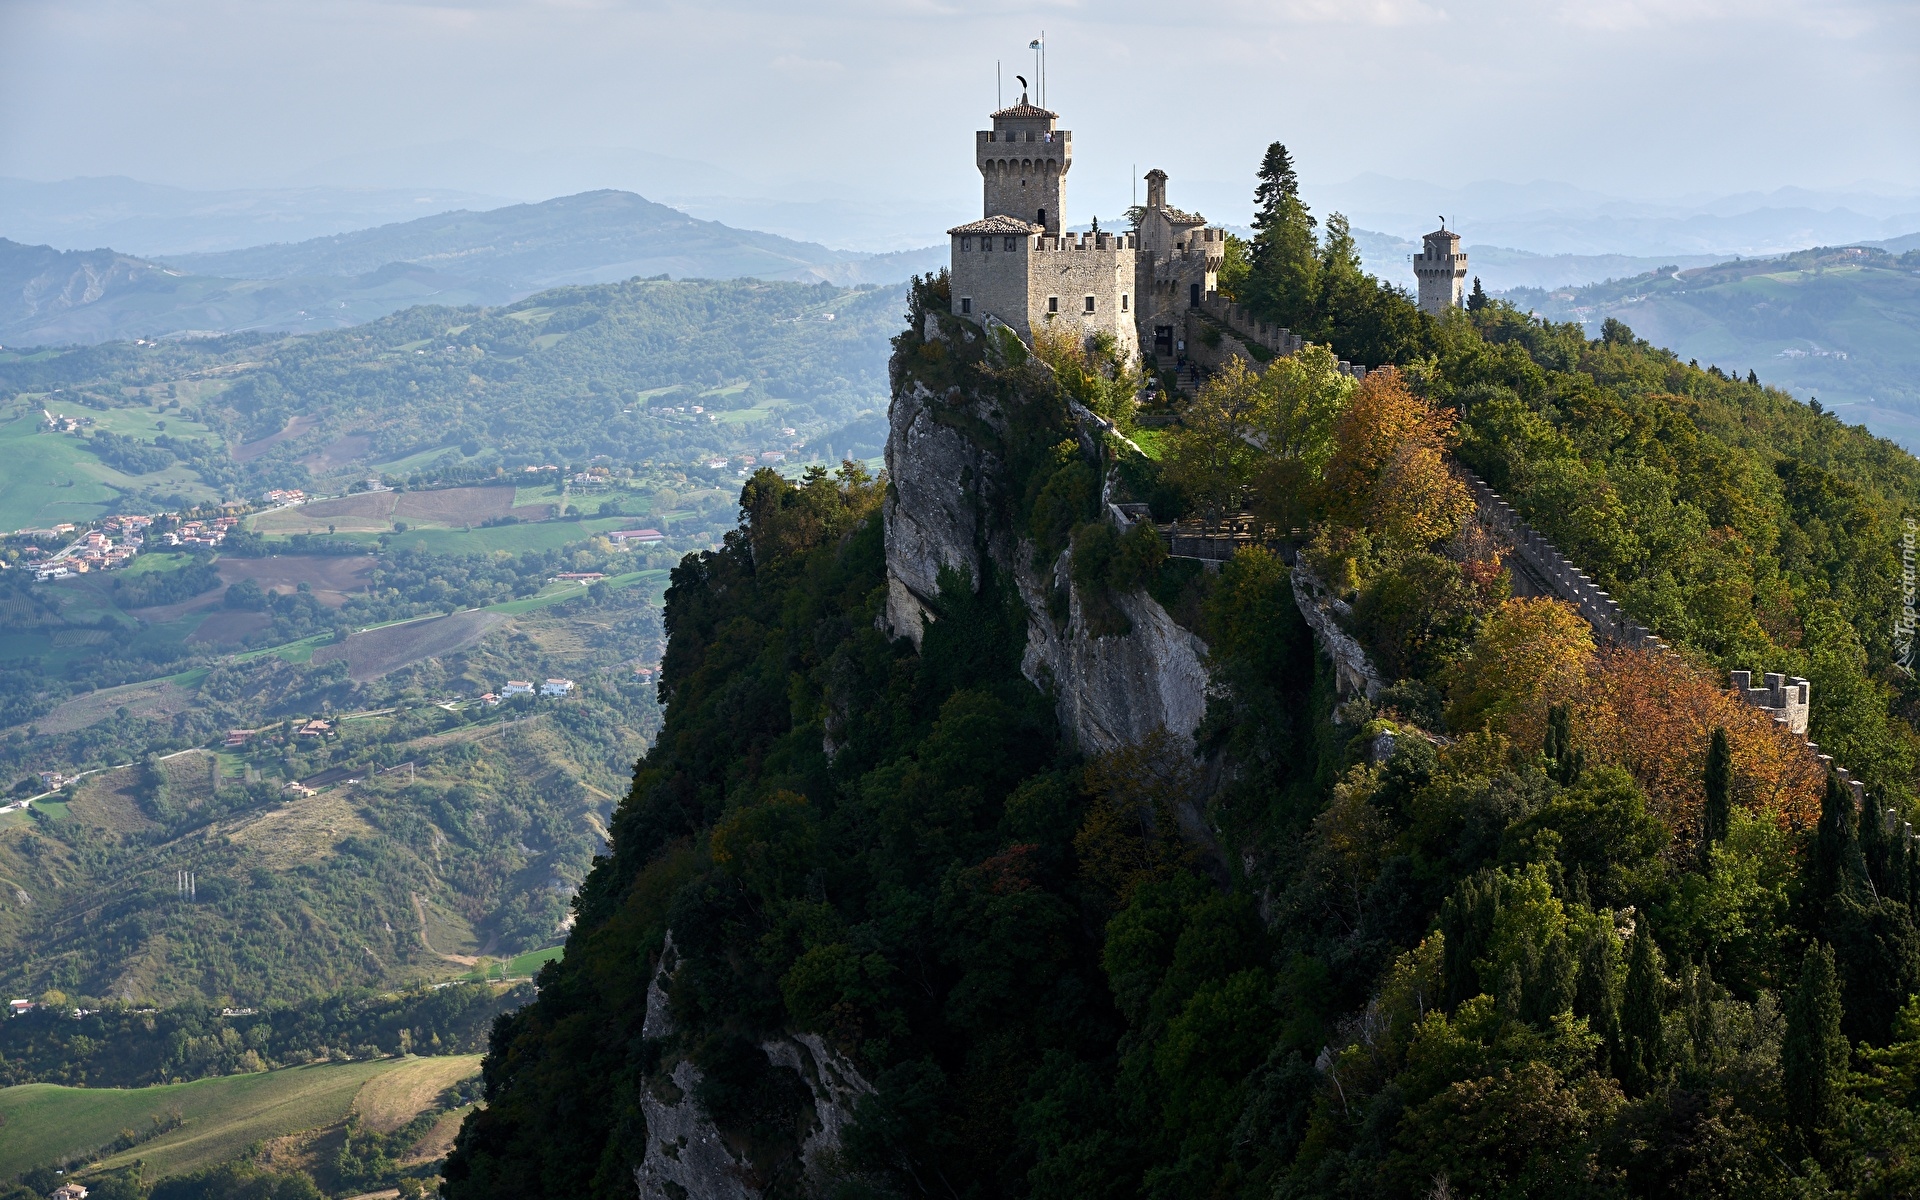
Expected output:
{"points": [[460, 258], [148, 220], [592, 237]]}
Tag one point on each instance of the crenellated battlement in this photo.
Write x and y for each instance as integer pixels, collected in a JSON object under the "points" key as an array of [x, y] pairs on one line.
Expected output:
{"points": [[1087, 241]]}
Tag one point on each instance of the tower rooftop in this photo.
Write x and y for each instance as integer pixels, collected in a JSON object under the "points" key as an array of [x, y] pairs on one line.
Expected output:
{"points": [[998, 223], [1027, 111]]}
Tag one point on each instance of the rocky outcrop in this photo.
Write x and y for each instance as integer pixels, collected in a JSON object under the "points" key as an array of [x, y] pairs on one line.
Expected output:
{"points": [[946, 511], [688, 1157], [1353, 673]]}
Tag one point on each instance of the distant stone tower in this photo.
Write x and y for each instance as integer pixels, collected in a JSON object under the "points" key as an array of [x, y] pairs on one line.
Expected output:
{"points": [[1024, 161], [1441, 270]]}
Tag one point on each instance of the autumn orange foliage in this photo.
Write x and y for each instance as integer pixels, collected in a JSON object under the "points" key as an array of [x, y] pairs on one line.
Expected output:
{"points": [[1389, 471], [1653, 714]]}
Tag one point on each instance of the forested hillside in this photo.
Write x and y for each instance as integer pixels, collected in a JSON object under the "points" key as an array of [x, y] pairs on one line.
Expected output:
{"points": [[1543, 917], [1839, 323]]}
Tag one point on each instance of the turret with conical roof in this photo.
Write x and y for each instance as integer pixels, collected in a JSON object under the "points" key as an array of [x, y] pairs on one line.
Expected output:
{"points": [[1023, 162]]}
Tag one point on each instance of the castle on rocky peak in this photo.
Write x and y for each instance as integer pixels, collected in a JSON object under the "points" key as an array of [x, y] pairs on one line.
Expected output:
{"points": [[1143, 287]]}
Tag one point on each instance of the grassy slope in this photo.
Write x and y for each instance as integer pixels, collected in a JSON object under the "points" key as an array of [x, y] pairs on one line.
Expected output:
{"points": [[47, 478], [47, 1124]]}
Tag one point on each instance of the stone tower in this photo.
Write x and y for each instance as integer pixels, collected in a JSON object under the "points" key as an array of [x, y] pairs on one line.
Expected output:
{"points": [[1015, 265], [1023, 162], [1442, 271]]}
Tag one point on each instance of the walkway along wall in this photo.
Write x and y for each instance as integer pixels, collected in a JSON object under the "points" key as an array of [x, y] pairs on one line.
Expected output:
{"points": [[1539, 569]]}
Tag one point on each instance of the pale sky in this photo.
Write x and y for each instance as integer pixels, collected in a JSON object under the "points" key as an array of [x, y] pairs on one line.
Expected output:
{"points": [[1653, 98]]}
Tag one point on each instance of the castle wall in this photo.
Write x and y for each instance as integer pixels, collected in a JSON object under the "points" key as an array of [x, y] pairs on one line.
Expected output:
{"points": [[995, 281], [1069, 269]]}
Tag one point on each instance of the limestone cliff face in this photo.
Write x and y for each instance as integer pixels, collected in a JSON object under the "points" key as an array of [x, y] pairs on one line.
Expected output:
{"points": [[690, 1158], [948, 509]]}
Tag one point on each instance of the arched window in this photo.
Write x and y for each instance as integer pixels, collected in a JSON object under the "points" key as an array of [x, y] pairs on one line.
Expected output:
{"points": [[966, 243]]}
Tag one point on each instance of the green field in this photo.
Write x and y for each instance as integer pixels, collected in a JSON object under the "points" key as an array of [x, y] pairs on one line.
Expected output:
{"points": [[514, 539], [49, 478], [522, 966], [47, 1124], [766, 410]]}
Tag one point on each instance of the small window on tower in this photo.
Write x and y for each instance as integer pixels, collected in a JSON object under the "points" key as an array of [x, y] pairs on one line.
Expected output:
{"points": [[1029, 135], [1089, 303], [966, 305], [966, 243], [1053, 304], [1123, 302], [986, 243], [1009, 245]]}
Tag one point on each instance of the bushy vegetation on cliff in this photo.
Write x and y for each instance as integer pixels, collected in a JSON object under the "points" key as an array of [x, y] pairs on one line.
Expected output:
{"points": [[1592, 927]]}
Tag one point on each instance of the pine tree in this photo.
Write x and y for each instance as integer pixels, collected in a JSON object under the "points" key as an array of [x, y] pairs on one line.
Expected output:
{"points": [[1717, 815], [1477, 299], [1551, 990], [1813, 1056], [1284, 265], [1753, 378], [1278, 185], [1642, 1011], [1564, 761]]}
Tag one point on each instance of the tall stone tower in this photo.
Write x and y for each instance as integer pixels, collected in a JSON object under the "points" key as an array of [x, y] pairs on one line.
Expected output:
{"points": [[1023, 160], [1442, 271]]}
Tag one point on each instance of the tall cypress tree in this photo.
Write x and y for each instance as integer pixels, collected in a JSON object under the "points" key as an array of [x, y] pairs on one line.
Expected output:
{"points": [[1813, 1055], [1717, 816], [1642, 1010], [1596, 991], [1466, 923], [1564, 761], [1832, 862]]}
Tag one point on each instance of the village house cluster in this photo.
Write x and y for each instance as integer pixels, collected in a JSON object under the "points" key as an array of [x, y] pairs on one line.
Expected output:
{"points": [[199, 533], [62, 423], [526, 687]]}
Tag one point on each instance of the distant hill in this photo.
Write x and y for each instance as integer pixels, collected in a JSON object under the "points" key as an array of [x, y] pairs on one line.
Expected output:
{"points": [[149, 219], [1841, 324], [60, 297], [592, 237]]}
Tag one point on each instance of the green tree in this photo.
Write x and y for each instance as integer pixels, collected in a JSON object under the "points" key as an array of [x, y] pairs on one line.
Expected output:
{"points": [[1283, 271], [1717, 815], [1642, 1015], [1565, 761], [1813, 1055]]}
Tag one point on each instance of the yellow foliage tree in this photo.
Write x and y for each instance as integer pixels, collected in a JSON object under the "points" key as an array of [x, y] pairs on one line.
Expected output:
{"points": [[1531, 653]]}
